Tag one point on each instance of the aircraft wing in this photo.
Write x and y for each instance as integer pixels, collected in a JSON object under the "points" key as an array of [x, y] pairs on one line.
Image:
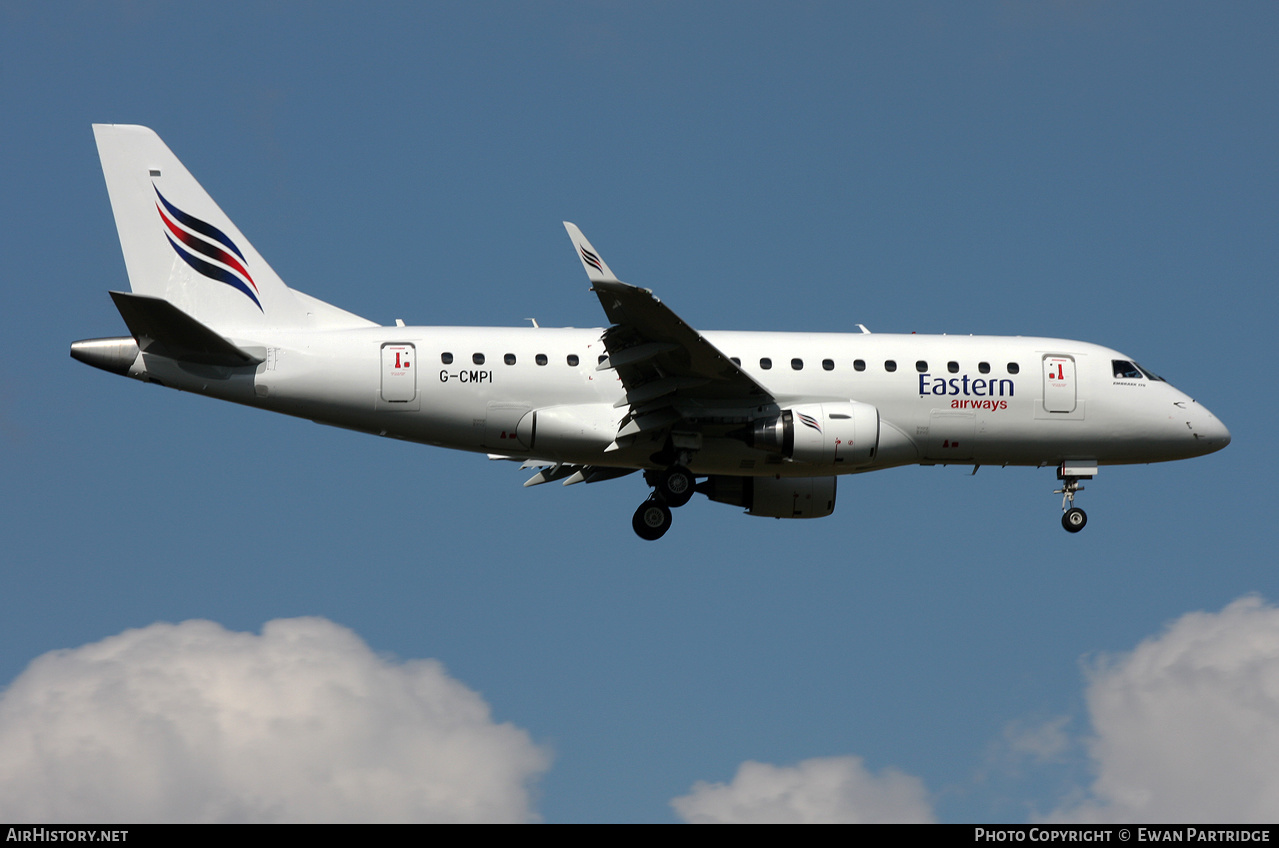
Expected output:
{"points": [[666, 366], [566, 472]]}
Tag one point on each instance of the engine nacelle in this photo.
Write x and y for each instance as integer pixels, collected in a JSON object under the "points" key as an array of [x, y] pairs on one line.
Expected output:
{"points": [[838, 434], [773, 497]]}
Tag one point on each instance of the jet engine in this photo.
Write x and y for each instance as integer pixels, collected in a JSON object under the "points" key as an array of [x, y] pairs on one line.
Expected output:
{"points": [[774, 497], [838, 434]]}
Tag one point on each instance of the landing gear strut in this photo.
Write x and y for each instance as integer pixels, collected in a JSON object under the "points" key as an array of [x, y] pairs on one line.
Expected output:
{"points": [[672, 488], [1073, 518]]}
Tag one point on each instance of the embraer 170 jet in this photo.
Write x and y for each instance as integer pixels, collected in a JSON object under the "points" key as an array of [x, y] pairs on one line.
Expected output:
{"points": [[764, 421]]}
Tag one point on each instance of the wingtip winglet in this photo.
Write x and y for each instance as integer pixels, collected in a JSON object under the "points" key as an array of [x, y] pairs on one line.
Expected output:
{"points": [[596, 269]]}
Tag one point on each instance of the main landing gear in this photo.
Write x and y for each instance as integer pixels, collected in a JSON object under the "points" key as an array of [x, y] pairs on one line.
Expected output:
{"points": [[1073, 518], [652, 519], [672, 488]]}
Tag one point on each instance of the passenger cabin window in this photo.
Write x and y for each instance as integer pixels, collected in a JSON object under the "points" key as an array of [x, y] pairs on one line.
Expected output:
{"points": [[890, 365], [859, 365], [509, 359], [921, 366], [983, 367], [828, 365], [766, 363], [603, 357], [1013, 368], [797, 364], [735, 361], [540, 359], [477, 358], [952, 367], [573, 360], [446, 358], [1125, 370]]}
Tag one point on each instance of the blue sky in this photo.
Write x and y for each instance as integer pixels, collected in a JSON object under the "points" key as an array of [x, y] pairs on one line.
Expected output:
{"points": [[1099, 171]]}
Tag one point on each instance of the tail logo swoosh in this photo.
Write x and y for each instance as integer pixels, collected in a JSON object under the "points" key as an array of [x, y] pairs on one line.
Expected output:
{"points": [[207, 249], [591, 259]]}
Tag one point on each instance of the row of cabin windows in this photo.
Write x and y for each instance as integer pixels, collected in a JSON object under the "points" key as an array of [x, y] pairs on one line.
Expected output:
{"points": [[541, 359], [890, 365], [765, 363]]}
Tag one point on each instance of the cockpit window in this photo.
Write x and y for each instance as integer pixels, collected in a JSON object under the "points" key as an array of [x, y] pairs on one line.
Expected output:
{"points": [[1125, 370], [1151, 375]]}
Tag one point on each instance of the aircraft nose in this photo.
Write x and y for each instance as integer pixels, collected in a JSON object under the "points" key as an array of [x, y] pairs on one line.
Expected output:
{"points": [[1208, 429]]}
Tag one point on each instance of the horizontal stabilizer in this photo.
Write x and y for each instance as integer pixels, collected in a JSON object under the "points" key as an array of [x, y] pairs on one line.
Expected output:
{"points": [[161, 328]]}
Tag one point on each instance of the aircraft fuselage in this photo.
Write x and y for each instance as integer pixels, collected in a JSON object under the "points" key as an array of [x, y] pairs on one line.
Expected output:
{"points": [[985, 400]]}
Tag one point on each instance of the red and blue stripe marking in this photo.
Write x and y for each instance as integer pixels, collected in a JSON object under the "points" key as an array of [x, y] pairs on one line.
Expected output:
{"points": [[190, 236]]}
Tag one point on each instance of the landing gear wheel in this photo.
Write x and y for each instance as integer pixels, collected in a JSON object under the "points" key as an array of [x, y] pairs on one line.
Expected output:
{"points": [[1074, 519], [677, 485], [652, 520]]}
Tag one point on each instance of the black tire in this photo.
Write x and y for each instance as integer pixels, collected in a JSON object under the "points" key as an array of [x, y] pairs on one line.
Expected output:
{"points": [[651, 520], [677, 485], [1074, 519]]}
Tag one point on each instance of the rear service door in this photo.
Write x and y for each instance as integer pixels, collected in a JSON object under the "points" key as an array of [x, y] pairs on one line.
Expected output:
{"points": [[399, 373]]}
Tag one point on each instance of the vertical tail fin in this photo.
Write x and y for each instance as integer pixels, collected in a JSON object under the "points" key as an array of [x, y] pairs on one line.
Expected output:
{"points": [[180, 246]]}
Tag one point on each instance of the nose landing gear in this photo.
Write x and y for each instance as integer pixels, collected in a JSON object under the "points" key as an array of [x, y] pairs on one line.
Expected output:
{"points": [[1073, 518], [672, 488]]}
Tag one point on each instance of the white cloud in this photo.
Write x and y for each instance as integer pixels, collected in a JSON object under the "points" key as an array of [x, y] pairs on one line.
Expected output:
{"points": [[1043, 742], [191, 722], [824, 789], [1187, 725]]}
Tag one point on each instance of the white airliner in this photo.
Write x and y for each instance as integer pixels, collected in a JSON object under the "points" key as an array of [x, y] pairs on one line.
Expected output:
{"points": [[765, 421]]}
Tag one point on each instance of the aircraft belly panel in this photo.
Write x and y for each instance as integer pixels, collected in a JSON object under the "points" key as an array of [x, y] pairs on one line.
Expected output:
{"points": [[951, 436]]}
